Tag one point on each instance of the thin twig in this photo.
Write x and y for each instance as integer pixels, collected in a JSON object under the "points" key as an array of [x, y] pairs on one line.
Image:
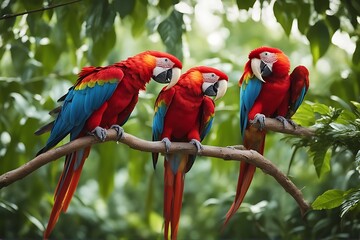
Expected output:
{"points": [[6, 16], [225, 153]]}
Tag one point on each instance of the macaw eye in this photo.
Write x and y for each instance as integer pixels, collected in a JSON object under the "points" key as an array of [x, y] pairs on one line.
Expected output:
{"points": [[268, 57], [164, 62], [210, 77]]}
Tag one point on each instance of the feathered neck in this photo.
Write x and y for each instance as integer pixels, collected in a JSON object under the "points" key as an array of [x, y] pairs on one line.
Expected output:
{"points": [[192, 81], [137, 72]]}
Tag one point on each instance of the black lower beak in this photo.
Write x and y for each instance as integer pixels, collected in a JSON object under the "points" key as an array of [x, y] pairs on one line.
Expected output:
{"points": [[163, 77], [265, 70], [212, 90]]}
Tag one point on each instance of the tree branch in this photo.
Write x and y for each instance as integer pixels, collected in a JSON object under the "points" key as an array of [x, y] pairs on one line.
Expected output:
{"points": [[6, 16], [226, 153]]}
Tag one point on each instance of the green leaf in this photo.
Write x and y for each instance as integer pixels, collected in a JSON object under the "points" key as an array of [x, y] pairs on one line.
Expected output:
{"points": [[124, 7], [139, 16], [351, 202], [19, 55], [170, 31], [102, 46], [329, 199], [304, 17], [321, 160], [245, 4], [356, 55], [319, 38], [283, 14], [100, 19], [106, 170], [48, 60], [166, 4], [321, 108], [357, 161], [321, 5], [333, 22], [304, 116]]}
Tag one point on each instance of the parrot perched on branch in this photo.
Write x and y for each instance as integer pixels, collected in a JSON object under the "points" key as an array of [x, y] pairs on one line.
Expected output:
{"points": [[184, 114], [102, 98], [266, 90]]}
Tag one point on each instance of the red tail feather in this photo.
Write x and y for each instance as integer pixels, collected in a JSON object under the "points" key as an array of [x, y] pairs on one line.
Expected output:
{"points": [[173, 194], [66, 187], [253, 139]]}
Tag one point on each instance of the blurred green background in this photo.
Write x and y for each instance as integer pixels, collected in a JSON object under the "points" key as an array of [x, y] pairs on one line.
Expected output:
{"points": [[120, 195]]}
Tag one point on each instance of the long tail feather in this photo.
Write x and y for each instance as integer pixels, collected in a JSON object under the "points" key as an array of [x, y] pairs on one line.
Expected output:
{"points": [[254, 140], [174, 177], [66, 187]]}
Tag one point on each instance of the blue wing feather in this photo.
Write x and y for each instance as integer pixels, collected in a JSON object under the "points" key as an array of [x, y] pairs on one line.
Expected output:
{"points": [[300, 99], [249, 91], [161, 106], [78, 106], [206, 128], [208, 113]]}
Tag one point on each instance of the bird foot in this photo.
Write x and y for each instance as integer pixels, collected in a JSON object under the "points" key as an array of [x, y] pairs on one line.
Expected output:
{"points": [[260, 118], [285, 121], [120, 132], [167, 144], [99, 133], [197, 144]]}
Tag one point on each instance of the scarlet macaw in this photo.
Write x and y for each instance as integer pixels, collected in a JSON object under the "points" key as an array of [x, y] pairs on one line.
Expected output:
{"points": [[265, 92], [184, 114], [102, 98]]}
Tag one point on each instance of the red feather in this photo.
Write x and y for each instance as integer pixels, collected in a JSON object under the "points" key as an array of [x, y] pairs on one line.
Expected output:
{"points": [[269, 103], [131, 75], [182, 114]]}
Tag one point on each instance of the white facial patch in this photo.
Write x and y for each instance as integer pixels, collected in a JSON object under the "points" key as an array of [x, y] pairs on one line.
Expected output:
{"points": [[164, 62], [210, 77]]}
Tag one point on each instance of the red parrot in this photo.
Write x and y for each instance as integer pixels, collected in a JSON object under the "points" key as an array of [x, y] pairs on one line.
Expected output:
{"points": [[264, 92], [184, 114], [102, 98]]}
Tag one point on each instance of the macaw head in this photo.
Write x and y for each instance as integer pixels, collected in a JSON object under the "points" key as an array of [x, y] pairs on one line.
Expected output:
{"points": [[206, 80], [267, 62], [166, 68]]}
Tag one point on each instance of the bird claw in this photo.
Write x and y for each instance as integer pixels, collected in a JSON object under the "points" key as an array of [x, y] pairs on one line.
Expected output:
{"points": [[197, 144], [120, 132], [260, 118], [292, 123], [99, 133], [167, 144], [285, 121]]}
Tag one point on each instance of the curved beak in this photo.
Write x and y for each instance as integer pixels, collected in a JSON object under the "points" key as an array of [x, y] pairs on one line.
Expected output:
{"points": [[166, 75], [260, 68], [175, 76], [221, 89], [217, 89]]}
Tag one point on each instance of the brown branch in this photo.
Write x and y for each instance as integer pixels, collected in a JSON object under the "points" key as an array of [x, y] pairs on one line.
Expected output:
{"points": [[275, 126], [225, 153], [6, 16]]}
